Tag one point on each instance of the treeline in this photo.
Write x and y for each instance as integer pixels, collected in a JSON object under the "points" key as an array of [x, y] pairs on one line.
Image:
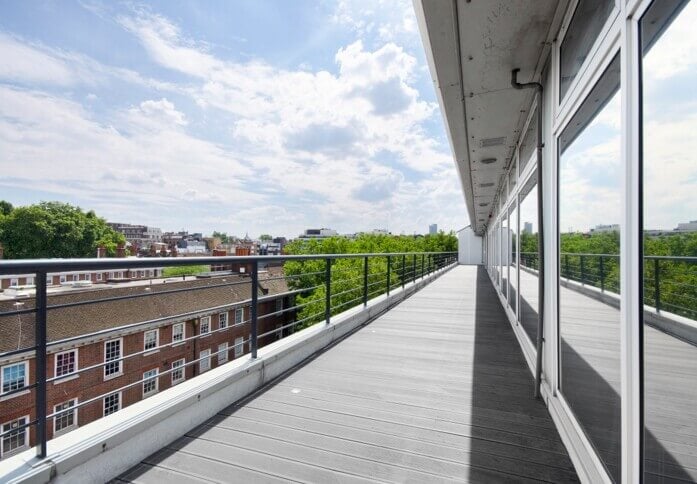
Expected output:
{"points": [[54, 229], [677, 279], [347, 274]]}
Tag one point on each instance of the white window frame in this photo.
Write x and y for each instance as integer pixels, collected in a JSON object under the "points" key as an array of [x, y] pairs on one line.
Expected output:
{"points": [[239, 316], [207, 321], [183, 332], [222, 320], [279, 304], [205, 360], [239, 347], [181, 363], [157, 340], [55, 364], [21, 448], [70, 427], [223, 351], [2, 376], [149, 378], [14, 281], [119, 372], [99, 276], [63, 278], [119, 407]]}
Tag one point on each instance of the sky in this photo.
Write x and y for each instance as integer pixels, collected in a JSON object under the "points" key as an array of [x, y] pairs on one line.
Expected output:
{"points": [[242, 117]]}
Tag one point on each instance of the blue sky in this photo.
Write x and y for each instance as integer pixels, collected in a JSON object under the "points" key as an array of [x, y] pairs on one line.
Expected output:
{"points": [[247, 116]]}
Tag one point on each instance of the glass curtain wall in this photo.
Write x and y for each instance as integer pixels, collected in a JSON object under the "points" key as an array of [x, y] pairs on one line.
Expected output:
{"points": [[529, 288], [513, 254], [669, 165], [590, 175]]}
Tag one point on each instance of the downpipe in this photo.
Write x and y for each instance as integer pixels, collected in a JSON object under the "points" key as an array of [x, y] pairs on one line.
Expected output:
{"points": [[540, 228]]}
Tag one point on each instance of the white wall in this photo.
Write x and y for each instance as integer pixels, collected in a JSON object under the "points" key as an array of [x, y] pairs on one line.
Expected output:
{"points": [[469, 247]]}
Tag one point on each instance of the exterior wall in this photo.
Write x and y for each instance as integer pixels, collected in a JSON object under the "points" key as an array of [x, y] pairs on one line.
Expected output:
{"points": [[469, 247]]}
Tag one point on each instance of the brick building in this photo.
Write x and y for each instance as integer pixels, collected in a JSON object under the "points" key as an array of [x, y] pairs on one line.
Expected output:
{"points": [[164, 326], [94, 277]]}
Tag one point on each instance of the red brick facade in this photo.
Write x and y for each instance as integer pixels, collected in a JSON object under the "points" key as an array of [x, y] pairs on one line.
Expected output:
{"points": [[92, 383]]}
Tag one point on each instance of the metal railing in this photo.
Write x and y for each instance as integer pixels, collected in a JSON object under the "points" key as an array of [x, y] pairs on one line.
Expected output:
{"points": [[670, 282], [371, 275]]}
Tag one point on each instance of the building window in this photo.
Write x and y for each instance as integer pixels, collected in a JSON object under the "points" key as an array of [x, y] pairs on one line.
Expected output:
{"points": [[67, 419], [589, 223], [112, 403], [14, 377], [14, 282], [150, 382], [66, 363], [99, 276], [150, 339], [17, 438], [205, 327], [222, 320], [239, 347], [279, 305], [222, 353], [178, 371], [30, 281], [239, 315], [205, 363], [112, 353], [586, 24], [63, 278], [177, 332]]}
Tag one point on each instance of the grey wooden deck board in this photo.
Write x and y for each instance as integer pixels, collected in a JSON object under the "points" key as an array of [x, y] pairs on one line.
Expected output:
{"points": [[435, 390]]}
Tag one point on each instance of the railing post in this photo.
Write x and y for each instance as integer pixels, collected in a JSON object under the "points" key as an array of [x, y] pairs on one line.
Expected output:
{"points": [[328, 291], [365, 281], [413, 271], [602, 274], [254, 343], [657, 285], [389, 264], [583, 269], [422, 266], [404, 258], [566, 263], [40, 337]]}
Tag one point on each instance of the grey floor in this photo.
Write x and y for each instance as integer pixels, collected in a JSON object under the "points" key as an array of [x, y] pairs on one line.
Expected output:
{"points": [[434, 390]]}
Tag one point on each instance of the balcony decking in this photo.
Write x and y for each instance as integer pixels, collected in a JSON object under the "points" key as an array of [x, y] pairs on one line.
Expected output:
{"points": [[436, 389]]}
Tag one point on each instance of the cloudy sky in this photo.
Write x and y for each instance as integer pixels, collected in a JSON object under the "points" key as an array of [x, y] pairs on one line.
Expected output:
{"points": [[245, 116]]}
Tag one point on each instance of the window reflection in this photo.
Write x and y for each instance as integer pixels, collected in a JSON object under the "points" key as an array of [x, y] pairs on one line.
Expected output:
{"points": [[505, 258], [585, 26], [513, 256], [527, 315], [669, 116], [589, 217], [529, 143]]}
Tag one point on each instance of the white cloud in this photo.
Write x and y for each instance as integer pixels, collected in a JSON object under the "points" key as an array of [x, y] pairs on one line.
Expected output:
{"points": [[674, 53]]}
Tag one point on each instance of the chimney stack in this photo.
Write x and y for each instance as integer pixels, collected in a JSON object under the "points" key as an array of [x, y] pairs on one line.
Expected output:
{"points": [[101, 252], [120, 251]]}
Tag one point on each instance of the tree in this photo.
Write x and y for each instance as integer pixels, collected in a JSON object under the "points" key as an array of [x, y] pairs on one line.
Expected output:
{"points": [[184, 270], [265, 237], [223, 236], [55, 229], [5, 207]]}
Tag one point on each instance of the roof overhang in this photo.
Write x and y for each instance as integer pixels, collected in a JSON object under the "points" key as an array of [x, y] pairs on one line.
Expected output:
{"points": [[472, 47]]}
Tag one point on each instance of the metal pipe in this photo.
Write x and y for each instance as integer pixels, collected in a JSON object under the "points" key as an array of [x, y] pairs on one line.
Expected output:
{"points": [[540, 226]]}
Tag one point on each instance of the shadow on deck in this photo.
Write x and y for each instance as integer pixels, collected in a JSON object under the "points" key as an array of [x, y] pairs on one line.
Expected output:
{"points": [[436, 389]]}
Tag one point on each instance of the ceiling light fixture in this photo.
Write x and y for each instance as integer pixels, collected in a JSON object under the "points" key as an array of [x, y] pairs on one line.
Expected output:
{"points": [[488, 161]]}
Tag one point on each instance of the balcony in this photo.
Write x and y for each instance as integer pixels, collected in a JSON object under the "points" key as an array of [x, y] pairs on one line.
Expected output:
{"points": [[424, 381]]}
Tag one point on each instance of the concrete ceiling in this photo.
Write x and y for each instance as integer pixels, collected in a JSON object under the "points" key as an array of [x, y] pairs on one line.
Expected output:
{"points": [[482, 112]]}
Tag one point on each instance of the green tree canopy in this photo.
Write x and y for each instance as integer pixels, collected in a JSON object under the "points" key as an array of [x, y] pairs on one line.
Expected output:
{"points": [[265, 237], [55, 229], [5, 207]]}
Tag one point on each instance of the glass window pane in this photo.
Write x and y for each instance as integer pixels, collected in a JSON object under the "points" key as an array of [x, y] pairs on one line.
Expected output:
{"points": [[585, 26], [505, 259], [669, 116], [513, 256], [590, 175], [529, 285], [529, 143]]}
